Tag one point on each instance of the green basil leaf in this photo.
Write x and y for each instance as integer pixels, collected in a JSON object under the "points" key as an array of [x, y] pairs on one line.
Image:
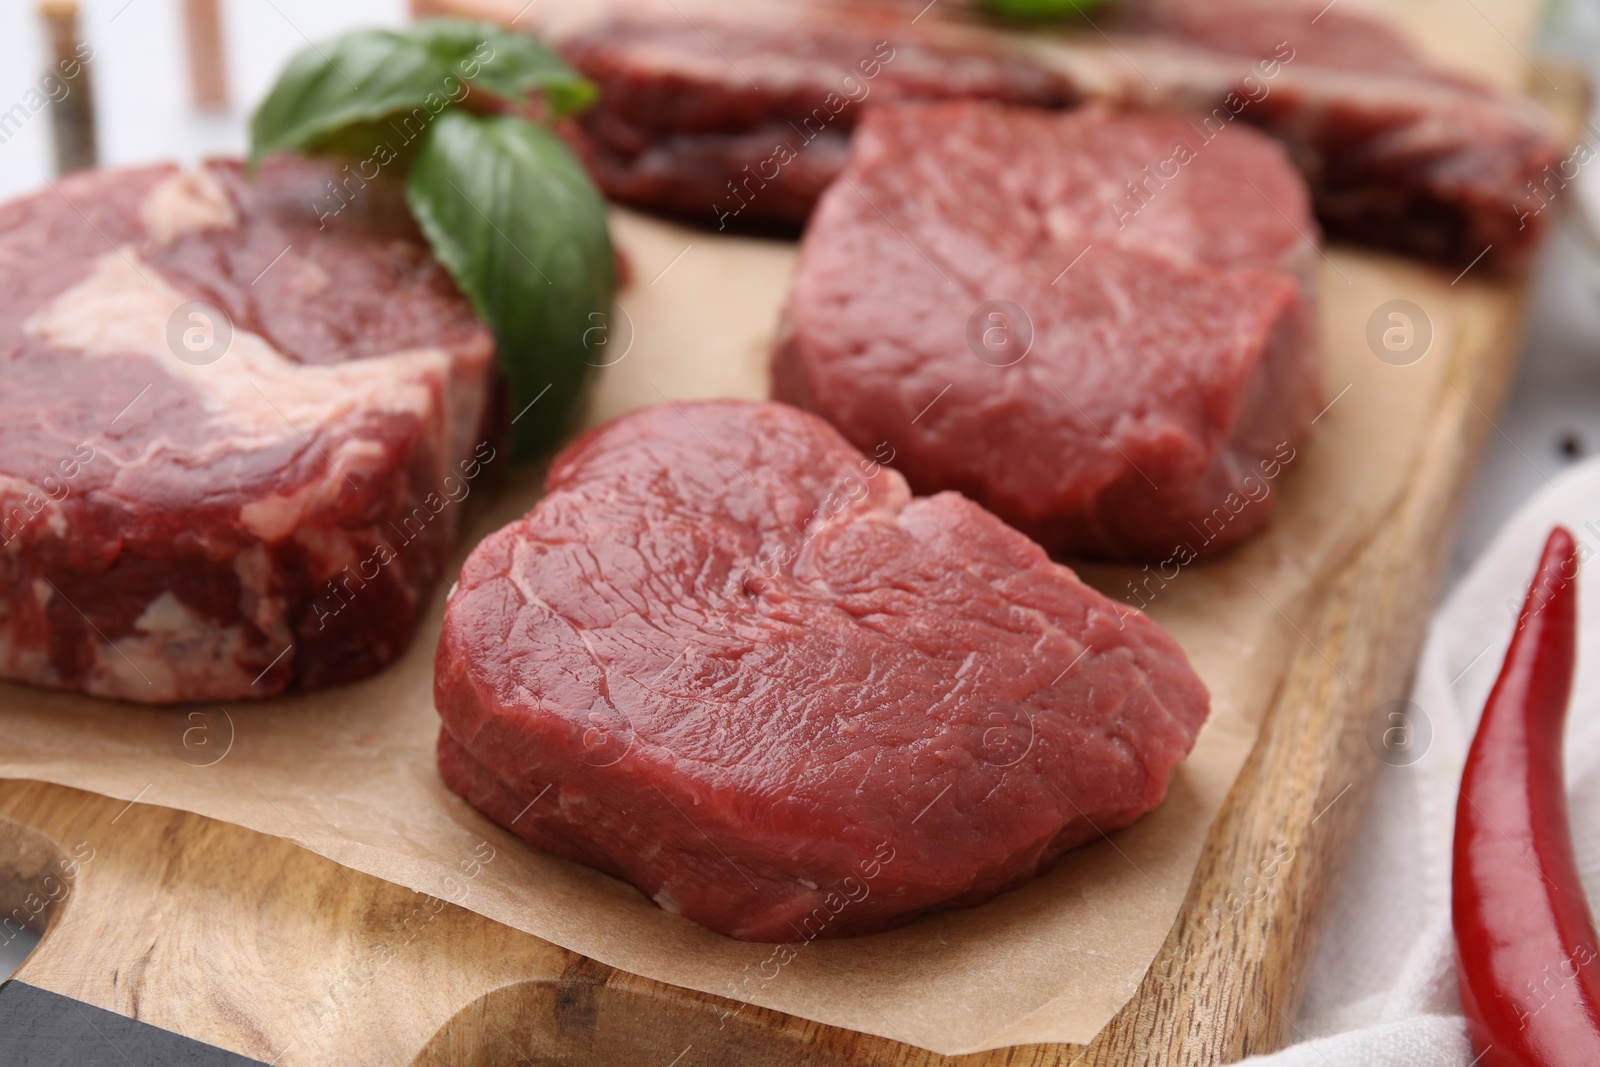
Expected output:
{"points": [[363, 77], [1042, 9], [509, 65], [518, 224], [360, 77]]}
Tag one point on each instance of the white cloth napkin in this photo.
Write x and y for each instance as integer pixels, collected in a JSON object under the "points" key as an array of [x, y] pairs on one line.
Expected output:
{"points": [[1382, 989]]}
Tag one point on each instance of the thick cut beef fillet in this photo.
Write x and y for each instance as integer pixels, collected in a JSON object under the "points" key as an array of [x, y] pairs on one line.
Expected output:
{"points": [[1117, 386], [200, 507], [740, 113], [731, 659]]}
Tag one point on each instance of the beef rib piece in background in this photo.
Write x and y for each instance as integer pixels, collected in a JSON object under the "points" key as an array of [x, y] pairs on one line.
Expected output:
{"points": [[733, 114], [1119, 387], [730, 659], [200, 507]]}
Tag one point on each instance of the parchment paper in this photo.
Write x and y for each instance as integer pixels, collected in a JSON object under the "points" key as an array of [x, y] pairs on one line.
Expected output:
{"points": [[349, 773]]}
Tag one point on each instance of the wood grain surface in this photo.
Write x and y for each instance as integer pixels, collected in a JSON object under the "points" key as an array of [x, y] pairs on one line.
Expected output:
{"points": [[253, 944]]}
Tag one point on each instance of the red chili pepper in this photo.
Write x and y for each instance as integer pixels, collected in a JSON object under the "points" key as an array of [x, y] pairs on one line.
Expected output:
{"points": [[1526, 954]]}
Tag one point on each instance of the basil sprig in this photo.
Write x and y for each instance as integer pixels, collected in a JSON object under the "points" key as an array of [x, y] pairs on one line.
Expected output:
{"points": [[507, 209], [536, 266], [1041, 9]]}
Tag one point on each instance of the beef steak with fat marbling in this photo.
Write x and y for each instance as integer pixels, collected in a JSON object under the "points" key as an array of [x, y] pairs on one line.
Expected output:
{"points": [[204, 506]]}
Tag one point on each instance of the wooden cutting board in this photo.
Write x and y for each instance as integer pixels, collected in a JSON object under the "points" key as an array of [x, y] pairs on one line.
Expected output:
{"points": [[249, 943]]}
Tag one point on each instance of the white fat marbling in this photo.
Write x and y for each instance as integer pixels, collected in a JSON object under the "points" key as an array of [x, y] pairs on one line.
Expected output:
{"points": [[253, 396], [187, 202]]}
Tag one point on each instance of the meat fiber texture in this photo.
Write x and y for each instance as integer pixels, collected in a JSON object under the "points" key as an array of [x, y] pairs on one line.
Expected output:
{"points": [[273, 508], [1118, 388], [739, 115], [731, 660]]}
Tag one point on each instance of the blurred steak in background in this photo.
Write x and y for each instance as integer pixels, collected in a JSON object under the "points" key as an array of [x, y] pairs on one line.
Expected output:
{"points": [[739, 115]]}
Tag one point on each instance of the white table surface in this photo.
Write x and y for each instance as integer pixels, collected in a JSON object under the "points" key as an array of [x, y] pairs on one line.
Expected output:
{"points": [[144, 114]]}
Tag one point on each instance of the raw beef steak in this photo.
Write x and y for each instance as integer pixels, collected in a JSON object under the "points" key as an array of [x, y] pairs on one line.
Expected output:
{"points": [[673, 132], [731, 659], [1115, 385], [734, 114], [200, 507]]}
